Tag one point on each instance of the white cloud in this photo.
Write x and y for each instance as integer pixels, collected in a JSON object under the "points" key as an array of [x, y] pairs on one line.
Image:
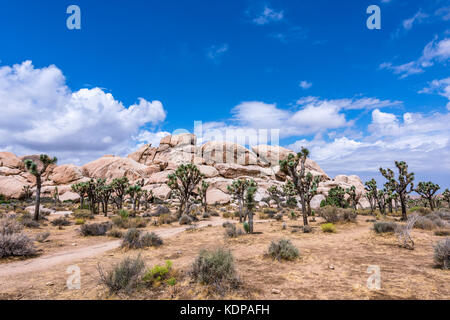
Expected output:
{"points": [[444, 13], [268, 15], [215, 52], [305, 85], [434, 51], [41, 114], [417, 18], [441, 87], [421, 140]]}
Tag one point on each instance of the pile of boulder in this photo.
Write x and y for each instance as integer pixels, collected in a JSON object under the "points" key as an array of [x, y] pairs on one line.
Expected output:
{"points": [[220, 162]]}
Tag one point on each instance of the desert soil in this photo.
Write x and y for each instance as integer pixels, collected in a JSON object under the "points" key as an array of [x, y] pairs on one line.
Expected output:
{"points": [[331, 266]]}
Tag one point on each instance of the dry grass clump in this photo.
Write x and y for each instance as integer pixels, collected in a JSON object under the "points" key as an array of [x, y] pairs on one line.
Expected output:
{"points": [[216, 269], [334, 214], [134, 239], [442, 254], [12, 241], [384, 227], [283, 250], [95, 229]]}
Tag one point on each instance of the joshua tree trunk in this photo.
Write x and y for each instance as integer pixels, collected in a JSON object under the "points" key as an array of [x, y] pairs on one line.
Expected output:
{"points": [[240, 210], [38, 198], [403, 204], [304, 210], [250, 221]]}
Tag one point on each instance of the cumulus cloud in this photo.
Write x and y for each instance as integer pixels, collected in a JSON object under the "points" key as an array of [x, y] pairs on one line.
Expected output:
{"points": [[434, 51], [421, 140], [41, 114], [256, 122]]}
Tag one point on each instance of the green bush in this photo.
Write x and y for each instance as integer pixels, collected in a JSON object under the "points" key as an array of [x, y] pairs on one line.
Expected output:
{"points": [[283, 250], [126, 276], [383, 227], [246, 227], [328, 227], [215, 268], [159, 274]]}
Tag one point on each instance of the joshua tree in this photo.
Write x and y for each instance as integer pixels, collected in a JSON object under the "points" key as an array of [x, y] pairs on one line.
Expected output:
{"points": [[104, 191], [336, 197], [289, 167], [81, 190], [290, 192], [353, 196], [92, 192], [183, 183], [390, 196], [401, 185], [238, 189], [372, 193], [250, 203], [147, 197], [27, 192], [275, 194], [202, 192], [120, 186], [135, 193], [38, 171], [381, 201], [55, 196], [427, 190], [311, 185], [446, 196]]}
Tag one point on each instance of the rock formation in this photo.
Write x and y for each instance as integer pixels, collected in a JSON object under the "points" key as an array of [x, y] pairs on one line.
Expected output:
{"points": [[220, 162]]}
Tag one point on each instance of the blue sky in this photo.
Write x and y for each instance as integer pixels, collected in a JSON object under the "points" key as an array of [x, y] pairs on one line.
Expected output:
{"points": [[358, 98]]}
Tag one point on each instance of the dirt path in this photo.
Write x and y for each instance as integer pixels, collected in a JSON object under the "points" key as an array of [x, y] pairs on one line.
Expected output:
{"points": [[45, 261]]}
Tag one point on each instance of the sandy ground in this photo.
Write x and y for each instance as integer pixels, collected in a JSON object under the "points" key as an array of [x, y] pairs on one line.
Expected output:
{"points": [[331, 266]]}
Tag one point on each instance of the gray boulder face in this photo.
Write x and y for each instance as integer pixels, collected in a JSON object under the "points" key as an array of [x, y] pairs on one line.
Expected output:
{"points": [[159, 210], [220, 162]]}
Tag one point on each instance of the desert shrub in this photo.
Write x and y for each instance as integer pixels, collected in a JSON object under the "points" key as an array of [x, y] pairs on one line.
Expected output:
{"points": [[134, 239], [226, 224], [383, 227], [60, 222], [41, 237], [120, 222], [137, 222], [151, 239], [442, 254], [95, 229], [160, 210], [206, 215], [126, 276], [82, 214], [185, 219], [420, 210], [443, 213], [279, 217], [158, 274], [232, 232], [442, 232], [438, 219], [80, 222], [10, 226], [213, 213], [246, 227], [30, 223], [335, 214], [16, 244], [227, 215], [215, 268], [124, 214], [270, 212], [425, 224], [166, 219], [307, 229], [114, 233], [283, 250], [328, 227]]}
